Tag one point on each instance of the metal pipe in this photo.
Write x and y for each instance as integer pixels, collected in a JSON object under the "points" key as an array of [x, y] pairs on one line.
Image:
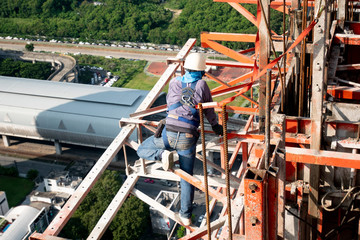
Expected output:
{"points": [[227, 171], [272, 44], [267, 118], [284, 61], [302, 88], [201, 113]]}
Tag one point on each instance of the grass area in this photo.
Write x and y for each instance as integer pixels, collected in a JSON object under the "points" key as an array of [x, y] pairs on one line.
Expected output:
{"points": [[132, 75], [16, 189], [142, 81]]}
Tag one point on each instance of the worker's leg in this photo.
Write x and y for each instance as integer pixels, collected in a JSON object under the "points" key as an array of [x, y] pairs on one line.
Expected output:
{"points": [[151, 149], [186, 146]]}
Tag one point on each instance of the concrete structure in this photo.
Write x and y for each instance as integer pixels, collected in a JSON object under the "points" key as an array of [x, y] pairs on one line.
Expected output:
{"points": [[21, 221], [4, 206], [65, 66], [50, 199], [61, 182], [64, 112], [160, 222]]}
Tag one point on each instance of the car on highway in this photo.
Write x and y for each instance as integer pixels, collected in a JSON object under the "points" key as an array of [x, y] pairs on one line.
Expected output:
{"points": [[201, 218], [148, 180]]}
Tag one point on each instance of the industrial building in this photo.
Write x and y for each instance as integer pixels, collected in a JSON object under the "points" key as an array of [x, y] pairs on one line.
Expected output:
{"points": [[21, 221], [64, 112], [4, 206]]}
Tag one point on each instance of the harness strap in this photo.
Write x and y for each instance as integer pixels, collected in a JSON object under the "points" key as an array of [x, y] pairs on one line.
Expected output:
{"points": [[165, 139], [192, 122]]}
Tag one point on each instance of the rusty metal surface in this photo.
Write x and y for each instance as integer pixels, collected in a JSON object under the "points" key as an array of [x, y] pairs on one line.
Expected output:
{"points": [[254, 204]]}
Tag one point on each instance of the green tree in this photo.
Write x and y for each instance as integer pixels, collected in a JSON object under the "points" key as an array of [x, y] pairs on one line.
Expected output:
{"points": [[181, 232], [128, 228], [32, 174], [29, 47], [94, 205]]}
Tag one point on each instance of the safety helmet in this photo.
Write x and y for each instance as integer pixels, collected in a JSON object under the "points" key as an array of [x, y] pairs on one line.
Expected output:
{"points": [[195, 61]]}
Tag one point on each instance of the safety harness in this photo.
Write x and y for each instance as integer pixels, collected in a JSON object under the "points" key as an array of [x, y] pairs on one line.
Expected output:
{"points": [[187, 99]]}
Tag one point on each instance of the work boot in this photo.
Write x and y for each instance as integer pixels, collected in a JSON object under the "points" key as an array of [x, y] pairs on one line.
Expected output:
{"points": [[167, 159], [185, 221]]}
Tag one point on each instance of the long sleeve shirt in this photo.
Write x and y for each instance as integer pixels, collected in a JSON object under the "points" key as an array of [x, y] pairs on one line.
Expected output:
{"points": [[201, 95]]}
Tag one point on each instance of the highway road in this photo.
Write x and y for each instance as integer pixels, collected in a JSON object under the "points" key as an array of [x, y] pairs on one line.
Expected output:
{"points": [[24, 165], [116, 52]]}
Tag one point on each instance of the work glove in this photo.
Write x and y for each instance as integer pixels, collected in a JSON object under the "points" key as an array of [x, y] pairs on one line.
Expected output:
{"points": [[218, 129]]}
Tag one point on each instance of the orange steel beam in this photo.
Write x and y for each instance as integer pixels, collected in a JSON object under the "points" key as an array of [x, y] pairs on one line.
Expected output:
{"points": [[242, 110], [207, 41], [247, 50], [230, 89], [348, 39], [273, 3], [199, 184], [225, 63], [343, 92], [224, 84], [231, 37], [235, 81], [326, 158], [248, 15]]}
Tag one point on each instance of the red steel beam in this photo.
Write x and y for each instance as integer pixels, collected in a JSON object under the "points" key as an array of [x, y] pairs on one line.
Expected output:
{"points": [[355, 26], [326, 158]]}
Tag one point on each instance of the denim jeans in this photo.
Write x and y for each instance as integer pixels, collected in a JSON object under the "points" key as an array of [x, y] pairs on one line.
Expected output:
{"points": [[185, 145]]}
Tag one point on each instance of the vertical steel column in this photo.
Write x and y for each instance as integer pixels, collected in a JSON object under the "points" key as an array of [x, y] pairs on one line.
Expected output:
{"points": [[279, 120], [263, 61], [245, 156], [319, 77], [254, 204], [342, 10], [267, 118], [272, 197]]}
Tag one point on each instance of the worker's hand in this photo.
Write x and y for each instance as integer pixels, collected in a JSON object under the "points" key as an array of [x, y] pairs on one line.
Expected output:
{"points": [[218, 129]]}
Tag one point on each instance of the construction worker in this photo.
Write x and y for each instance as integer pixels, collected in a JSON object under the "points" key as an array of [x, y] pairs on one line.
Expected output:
{"points": [[181, 128]]}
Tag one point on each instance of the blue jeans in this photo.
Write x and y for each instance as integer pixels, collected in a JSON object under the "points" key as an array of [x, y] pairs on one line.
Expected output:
{"points": [[185, 146]]}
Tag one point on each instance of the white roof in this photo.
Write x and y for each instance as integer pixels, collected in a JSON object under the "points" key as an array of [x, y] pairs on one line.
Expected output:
{"points": [[21, 217]]}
